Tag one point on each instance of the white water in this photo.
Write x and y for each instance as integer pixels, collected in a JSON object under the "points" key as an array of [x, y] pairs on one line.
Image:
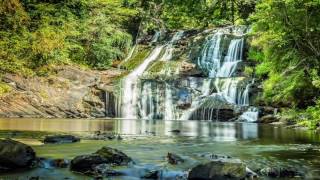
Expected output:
{"points": [[146, 101], [130, 89], [212, 60], [231, 60], [211, 55], [251, 115], [167, 56], [169, 108]]}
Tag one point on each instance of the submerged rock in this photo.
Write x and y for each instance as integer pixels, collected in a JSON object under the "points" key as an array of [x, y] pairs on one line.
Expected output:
{"points": [[174, 159], [212, 156], [105, 170], [176, 131], [153, 174], [279, 172], [60, 163], [15, 155], [60, 139], [217, 170]]}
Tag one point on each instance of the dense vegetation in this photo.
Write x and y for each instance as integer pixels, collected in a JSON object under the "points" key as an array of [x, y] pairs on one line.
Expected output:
{"points": [[38, 34], [287, 43]]}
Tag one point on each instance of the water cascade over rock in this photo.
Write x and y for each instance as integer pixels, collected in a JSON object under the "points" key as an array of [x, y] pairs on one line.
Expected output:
{"points": [[222, 95]]}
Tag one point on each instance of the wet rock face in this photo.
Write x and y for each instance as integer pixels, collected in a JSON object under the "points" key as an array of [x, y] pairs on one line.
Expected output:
{"points": [[70, 93], [218, 170], [58, 139], [15, 155]]}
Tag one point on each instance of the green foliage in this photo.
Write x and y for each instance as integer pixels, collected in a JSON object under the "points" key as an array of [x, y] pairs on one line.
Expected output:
{"points": [[4, 89], [34, 34], [248, 71], [180, 14], [286, 37]]}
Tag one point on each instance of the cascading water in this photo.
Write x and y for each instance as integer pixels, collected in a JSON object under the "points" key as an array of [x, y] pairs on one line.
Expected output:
{"points": [[232, 59], [211, 55], [191, 98], [169, 108], [167, 56], [130, 86], [221, 63]]}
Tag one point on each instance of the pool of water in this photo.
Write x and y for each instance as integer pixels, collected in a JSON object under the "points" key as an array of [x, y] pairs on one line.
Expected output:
{"points": [[148, 142]]}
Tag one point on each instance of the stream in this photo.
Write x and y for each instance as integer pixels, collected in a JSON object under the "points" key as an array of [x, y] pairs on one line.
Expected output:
{"points": [[148, 142]]}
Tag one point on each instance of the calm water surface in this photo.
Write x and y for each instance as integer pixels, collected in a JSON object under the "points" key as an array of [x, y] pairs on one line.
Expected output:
{"points": [[147, 142]]}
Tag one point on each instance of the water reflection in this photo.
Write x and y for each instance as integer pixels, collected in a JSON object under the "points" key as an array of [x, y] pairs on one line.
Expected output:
{"points": [[214, 130]]}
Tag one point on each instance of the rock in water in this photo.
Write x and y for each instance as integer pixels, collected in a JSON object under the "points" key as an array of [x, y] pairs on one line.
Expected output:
{"points": [[85, 163], [114, 156], [15, 155], [218, 170], [174, 159], [60, 139], [94, 164]]}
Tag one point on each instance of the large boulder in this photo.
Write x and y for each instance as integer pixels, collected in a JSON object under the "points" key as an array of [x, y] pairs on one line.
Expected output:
{"points": [[15, 155], [218, 170], [114, 156], [60, 139]]}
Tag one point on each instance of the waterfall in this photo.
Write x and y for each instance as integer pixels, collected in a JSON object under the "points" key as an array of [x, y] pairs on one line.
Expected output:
{"points": [[220, 57], [211, 55], [146, 101], [212, 59], [130, 86], [167, 56], [233, 57], [212, 98], [169, 108]]}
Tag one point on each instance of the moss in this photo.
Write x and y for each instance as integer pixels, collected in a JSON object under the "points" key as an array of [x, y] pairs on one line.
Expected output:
{"points": [[164, 67], [44, 94], [139, 56], [4, 89]]}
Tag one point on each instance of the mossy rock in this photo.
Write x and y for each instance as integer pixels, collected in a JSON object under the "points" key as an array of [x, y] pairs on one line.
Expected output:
{"points": [[139, 56]]}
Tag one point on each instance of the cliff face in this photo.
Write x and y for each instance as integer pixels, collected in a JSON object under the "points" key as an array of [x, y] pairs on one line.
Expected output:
{"points": [[70, 93]]}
